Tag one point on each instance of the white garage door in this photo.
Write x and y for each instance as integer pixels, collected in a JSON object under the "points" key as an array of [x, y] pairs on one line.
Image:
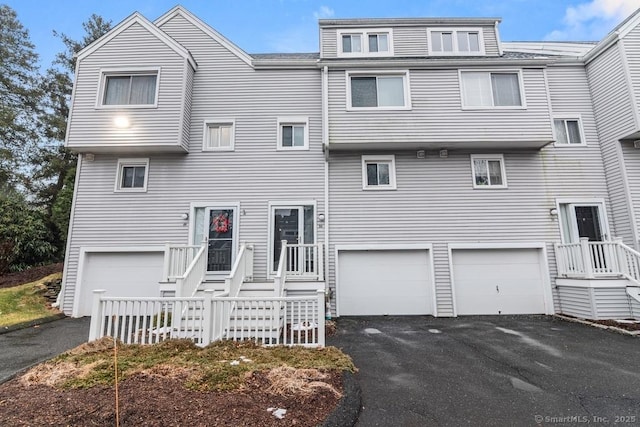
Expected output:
{"points": [[380, 282], [121, 274], [498, 281]]}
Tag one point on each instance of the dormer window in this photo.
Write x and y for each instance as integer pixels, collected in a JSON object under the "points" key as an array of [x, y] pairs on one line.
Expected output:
{"points": [[375, 42], [456, 41]]}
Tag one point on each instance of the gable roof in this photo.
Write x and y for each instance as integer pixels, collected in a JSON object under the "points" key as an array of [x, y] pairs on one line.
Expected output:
{"points": [[620, 31], [181, 11], [137, 18]]}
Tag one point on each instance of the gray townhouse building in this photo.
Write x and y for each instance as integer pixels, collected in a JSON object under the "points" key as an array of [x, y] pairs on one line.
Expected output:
{"points": [[416, 166]]}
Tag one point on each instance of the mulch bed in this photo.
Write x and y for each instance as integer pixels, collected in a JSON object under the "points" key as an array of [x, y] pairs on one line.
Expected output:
{"points": [[30, 275], [148, 400], [622, 325]]}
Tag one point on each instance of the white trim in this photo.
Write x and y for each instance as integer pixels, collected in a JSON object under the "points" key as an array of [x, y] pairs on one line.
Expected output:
{"points": [[498, 41], [216, 205], [124, 25], [286, 204], [391, 160], [454, 31], [71, 104], [183, 107], [584, 201], [378, 73], [292, 121], [573, 117], [364, 34], [204, 27], [488, 157], [541, 247], [124, 72], [67, 252], [523, 98], [428, 247], [218, 122], [131, 162], [84, 250]]}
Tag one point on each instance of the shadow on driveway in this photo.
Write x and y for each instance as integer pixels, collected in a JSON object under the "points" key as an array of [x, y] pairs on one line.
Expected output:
{"points": [[26, 347], [490, 370]]}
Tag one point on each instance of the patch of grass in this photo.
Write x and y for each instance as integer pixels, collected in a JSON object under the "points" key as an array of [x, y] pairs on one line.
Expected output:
{"points": [[221, 366], [25, 302]]}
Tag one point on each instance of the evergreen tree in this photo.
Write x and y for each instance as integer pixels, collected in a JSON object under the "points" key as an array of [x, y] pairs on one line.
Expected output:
{"points": [[19, 99]]}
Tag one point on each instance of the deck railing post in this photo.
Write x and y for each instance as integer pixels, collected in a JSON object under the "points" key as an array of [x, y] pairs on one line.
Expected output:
{"points": [[96, 316], [167, 261], [320, 262], [321, 320], [621, 259], [207, 332], [586, 257]]}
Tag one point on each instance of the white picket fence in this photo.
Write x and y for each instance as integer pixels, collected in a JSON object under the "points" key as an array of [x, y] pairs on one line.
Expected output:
{"points": [[268, 321]]}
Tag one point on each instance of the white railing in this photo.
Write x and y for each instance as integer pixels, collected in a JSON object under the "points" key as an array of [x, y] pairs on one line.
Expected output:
{"points": [[598, 259], [281, 275], [271, 320], [177, 259], [188, 283], [148, 320], [266, 320], [242, 271], [305, 261]]}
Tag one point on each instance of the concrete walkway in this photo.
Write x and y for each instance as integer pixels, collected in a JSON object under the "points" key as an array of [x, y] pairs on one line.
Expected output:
{"points": [[26, 347], [511, 370]]}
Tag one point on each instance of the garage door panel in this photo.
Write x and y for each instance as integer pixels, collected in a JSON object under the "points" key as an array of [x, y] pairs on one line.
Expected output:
{"points": [[506, 281], [122, 274], [384, 282]]}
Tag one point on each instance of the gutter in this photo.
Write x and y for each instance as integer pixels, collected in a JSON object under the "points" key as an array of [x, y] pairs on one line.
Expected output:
{"points": [[434, 63], [325, 149]]}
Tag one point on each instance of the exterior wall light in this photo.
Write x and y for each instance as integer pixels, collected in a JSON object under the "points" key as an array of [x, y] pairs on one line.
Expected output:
{"points": [[184, 216], [121, 122], [553, 212], [444, 153]]}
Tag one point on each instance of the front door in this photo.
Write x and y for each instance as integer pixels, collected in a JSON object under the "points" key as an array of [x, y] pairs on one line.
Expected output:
{"points": [[582, 220], [295, 225], [221, 247]]}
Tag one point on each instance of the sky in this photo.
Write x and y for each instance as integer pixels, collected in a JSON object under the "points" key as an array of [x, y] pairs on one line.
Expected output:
{"points": [[259, 26]]}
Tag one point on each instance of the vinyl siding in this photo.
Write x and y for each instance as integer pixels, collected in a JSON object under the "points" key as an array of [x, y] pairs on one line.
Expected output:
{"points": [[575, 301], [410, 41], [614, 303], [437, 116], [614, 118], [435, 203], [133, 48], [253, 175], [632, 166], [631, 45]]}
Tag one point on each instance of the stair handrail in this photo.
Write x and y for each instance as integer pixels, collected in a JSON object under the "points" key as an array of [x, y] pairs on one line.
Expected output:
{"points": [[281, 274], [242, 270], [187, 284], [629, 262]]}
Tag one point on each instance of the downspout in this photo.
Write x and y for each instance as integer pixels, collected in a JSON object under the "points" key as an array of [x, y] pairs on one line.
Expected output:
{"points": [[325, 149]]}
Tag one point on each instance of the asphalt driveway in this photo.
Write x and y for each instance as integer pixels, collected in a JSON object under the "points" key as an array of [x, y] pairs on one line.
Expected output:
{"points": [[486, 370], [26, 347]]}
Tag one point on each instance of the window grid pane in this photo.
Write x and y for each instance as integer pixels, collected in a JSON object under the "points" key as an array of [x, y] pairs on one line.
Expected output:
{"points": [[474, 42], [132, 177], [481, 175], [436, 41], [364, 92], [561, 132], [573, 131], [372, 174], [506, 90], [116, 90], [287, 136], [373, 43], [390, 91], [463, 41], [495, 172], [383, 173], [356, 43], [346, 43], [477, 89], [298, 136], [383, 43], [143, 90]]}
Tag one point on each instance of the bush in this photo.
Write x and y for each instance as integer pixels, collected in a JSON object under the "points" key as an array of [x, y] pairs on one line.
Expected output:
{"points": [[24, 236]]}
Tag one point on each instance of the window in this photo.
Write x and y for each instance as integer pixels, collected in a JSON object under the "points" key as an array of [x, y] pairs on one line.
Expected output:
{"points": [[129, 88], [491, 89], [352, 43], [218, 136], [378, 173], [132, 175], [293, 133], [374, 42], [387, 91], [467, 41], [568, 132], [488, 171]]}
